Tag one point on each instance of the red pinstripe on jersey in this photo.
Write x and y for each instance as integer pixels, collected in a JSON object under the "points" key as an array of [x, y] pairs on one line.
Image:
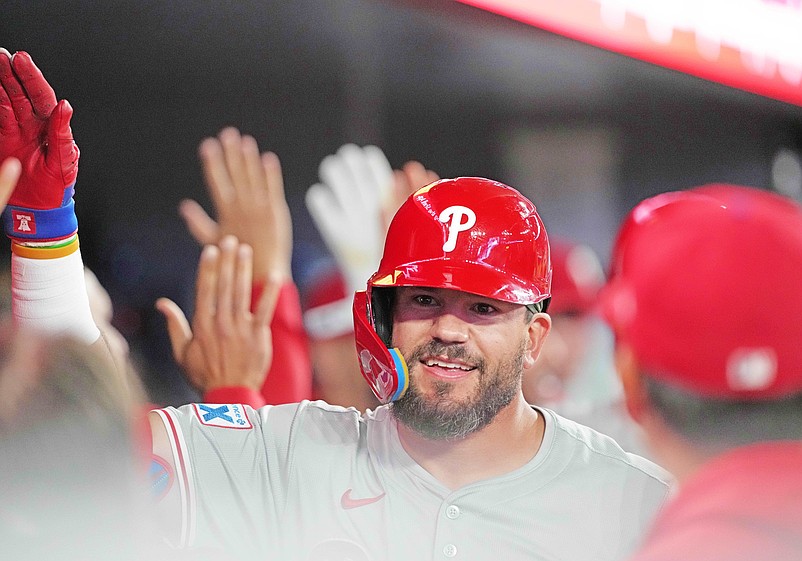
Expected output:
{"points": [[181, 460]]}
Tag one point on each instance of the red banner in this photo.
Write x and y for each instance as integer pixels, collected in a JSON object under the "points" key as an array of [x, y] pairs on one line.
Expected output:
{"points": [[753, 45]]}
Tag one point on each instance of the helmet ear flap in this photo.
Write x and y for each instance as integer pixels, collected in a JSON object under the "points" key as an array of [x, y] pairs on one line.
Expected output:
{"points": [[383, 368], [382, 302]]}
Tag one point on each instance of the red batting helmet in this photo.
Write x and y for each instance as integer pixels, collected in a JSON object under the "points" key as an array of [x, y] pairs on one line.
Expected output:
{"points": [[704, 288], [469, 234]]}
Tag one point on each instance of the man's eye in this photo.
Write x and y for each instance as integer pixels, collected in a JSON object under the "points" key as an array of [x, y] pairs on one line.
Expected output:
{"points": [[424, 300], [483, 308]]}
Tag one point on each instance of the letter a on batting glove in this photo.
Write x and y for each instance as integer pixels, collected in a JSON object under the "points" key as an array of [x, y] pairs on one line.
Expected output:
{"points": [[35, 129]]}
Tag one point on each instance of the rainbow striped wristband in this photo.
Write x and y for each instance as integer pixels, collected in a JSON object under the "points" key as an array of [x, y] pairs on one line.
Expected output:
{"points": [[59, 249]]}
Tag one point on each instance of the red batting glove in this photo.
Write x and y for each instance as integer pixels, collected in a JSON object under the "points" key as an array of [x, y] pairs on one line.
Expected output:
{"points": [[35, 129]]}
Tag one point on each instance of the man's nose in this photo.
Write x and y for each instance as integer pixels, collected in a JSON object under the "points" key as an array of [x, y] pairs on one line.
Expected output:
{"points": [[449, 328]]}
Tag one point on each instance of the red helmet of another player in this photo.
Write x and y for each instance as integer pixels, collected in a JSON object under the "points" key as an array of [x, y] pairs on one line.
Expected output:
{"points": [[469, 234], [704, 289]]}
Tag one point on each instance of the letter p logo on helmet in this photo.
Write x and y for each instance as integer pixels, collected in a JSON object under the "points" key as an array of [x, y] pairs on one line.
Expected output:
{"points": [[453, 215]]}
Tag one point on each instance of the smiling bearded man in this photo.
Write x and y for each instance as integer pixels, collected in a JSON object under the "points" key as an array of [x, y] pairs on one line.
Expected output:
{"points": [[441, 416]]}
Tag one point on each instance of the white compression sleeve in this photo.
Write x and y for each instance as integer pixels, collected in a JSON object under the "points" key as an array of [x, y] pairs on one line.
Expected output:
{"points": [[49, 295]]}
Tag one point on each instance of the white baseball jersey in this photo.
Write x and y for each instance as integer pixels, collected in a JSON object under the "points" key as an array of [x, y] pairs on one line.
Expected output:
{"points": [[312, 481]]}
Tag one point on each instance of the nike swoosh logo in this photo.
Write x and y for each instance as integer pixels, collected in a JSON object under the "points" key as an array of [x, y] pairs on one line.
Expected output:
{"points": [[347, 502]]}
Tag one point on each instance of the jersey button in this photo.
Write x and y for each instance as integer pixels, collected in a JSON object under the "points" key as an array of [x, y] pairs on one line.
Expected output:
{"points": [[450, 550], [452, 512]]}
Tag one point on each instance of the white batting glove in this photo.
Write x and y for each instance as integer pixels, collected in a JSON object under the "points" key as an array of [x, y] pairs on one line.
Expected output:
{"points": [[348, 207]]}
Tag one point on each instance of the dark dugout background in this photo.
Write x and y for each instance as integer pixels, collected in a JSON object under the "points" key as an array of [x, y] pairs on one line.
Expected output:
{"points": [[435, 81]]}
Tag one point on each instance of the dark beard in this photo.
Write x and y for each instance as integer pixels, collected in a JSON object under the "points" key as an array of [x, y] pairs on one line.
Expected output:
{"points": [[440, 418]]}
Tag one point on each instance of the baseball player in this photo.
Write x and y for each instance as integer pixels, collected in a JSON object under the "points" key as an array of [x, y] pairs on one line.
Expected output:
{"points": [[575, 373], [455, 464], [458, 458], [705, 304]]}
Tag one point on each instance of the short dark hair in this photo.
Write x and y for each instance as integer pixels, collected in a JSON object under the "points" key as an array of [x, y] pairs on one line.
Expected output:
{"points": [[536, 308], [725, 423]]}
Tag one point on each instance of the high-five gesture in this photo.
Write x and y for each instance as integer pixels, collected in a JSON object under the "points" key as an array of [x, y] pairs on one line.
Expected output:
{"points": [[35, 129], [38, 151], [353, 204], [346, 206], [227, 344], [247, 190]]}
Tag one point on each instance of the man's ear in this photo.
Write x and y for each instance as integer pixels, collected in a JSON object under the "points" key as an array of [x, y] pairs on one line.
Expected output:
{"points": [[537, 329], [635, 396]]}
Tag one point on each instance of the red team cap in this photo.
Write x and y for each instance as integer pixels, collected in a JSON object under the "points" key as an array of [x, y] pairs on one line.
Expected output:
{"points": [[469, 234], [705, 288], [577, 278]]}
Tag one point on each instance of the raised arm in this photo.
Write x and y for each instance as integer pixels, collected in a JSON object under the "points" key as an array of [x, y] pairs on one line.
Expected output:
{"points": [[226, 344], [48, 289], [247, 191]]}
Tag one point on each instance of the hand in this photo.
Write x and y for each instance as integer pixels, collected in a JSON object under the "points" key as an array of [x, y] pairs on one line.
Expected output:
{"points": [[353, 206], [35, 129], [247, 191], [10, 171], [356, 184], [227, 344]]}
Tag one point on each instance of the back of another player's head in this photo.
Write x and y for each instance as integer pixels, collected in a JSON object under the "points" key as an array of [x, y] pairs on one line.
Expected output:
{"points": [[704, 290]]}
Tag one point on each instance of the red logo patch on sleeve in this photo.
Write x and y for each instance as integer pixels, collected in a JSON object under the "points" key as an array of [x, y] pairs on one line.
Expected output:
{"points": [[24, 222]]}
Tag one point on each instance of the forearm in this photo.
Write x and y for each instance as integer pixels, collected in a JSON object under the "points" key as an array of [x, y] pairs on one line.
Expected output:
{"points": [[289, 379], [49, 292]]}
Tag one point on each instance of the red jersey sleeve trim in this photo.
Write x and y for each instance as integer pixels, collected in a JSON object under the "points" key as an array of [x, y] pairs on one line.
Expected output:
{"points": [[235, 394], [184, 476]]}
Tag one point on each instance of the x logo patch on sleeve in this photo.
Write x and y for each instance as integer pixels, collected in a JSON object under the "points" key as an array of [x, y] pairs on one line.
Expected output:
{"points": [[225, 416]]}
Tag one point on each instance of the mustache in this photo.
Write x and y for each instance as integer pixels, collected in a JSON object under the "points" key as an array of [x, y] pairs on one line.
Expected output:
{"points": [[453, 351]]}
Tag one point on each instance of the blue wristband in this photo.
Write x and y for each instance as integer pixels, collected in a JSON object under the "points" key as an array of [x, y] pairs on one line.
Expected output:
{"points": [[33, 224]]}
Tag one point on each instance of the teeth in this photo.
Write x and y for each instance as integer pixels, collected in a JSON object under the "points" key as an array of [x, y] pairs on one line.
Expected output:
{"points": [[448, 365]]}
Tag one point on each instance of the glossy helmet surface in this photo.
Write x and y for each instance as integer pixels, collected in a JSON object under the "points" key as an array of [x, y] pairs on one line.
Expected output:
{"points": [[469, 234]]}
